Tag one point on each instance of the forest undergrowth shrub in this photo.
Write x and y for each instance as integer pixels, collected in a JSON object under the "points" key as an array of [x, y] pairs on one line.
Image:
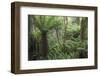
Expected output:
{"points": [[71, 50]]}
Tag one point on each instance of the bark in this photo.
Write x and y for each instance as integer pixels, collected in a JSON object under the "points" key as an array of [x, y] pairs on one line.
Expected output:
{"points": [[65, 32], [83, 29], [65, 26], [44, 45], [30, 40]]}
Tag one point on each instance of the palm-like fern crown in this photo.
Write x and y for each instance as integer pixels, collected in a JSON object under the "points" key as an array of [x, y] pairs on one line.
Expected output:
{"points": [[45, 23]]}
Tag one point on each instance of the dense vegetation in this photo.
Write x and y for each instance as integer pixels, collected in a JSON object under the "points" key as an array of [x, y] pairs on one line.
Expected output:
{"points": [[57, 37]]}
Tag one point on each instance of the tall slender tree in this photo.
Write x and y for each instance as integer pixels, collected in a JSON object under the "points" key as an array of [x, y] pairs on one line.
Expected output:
{"points": [[30, 40], [83, 31], [65, 23]]}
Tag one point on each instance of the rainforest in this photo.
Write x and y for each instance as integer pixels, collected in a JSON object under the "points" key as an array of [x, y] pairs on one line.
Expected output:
{"points": [[57, 37]]}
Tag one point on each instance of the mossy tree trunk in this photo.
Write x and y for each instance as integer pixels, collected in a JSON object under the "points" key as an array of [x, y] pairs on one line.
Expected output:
{"points": [[65, 26], [65, 32], [83, 31]]}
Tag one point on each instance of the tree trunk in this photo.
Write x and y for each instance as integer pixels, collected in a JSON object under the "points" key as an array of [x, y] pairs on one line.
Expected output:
{"points": [[44, 45], [65, 33], [30, 40], [83, 29], [65, 28]]}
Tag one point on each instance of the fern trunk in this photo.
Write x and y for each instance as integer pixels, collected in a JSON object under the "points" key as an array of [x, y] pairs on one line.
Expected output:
{"points": [[44, 45]]}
